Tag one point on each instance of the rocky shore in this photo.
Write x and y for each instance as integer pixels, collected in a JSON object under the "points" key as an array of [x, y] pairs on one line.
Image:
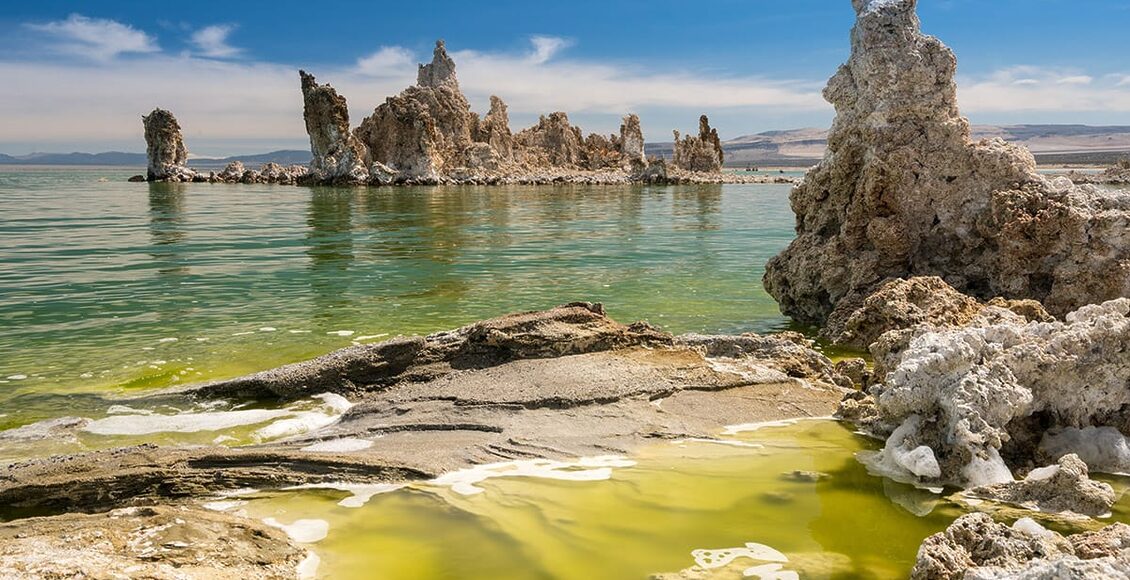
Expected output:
{"points": [[995, 304]]}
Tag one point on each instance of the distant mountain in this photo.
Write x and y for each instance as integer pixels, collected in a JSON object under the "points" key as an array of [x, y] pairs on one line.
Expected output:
{"points": [[109, 158], [1049, 143], [118, 159], [282, 157]]}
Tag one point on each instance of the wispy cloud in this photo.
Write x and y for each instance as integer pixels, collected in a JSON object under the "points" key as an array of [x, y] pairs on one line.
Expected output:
{"points": [[1036, 90], [546, 47], [388, 61], [95, 37], [212, 41]]}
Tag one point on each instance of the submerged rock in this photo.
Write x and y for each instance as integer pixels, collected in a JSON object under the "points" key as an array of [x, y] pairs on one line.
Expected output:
{"points": [[701, 153], [338, 156], [975, 547], [147, 542], [903, 192], [565, 383], [165, 148], [1063, 487], [958, 402]]}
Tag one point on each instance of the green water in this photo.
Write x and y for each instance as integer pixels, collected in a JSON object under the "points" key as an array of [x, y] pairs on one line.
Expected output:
{"points": [[111, 287]]}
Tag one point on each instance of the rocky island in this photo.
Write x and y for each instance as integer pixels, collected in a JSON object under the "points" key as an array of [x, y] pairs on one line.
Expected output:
{"points": [[428, 135]]}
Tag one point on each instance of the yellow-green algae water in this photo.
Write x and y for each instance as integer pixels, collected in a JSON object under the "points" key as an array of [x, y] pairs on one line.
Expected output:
{"points": [[109, 289]]}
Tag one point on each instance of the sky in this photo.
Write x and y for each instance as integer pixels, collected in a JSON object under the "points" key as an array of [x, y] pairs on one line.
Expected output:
{"points": [[79, 75]]}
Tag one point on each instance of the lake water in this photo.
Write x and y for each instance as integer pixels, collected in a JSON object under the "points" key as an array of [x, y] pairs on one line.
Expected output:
{"points": [[109, 288]]}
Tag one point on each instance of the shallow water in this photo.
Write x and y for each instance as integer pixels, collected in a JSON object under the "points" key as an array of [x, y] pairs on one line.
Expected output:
{"points": [[107, 286]]}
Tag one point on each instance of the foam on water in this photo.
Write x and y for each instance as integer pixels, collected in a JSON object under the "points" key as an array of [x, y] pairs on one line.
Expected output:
{"points": [[749, 427], [585, 469], [360, 493], [302, 531], [308, 568]]}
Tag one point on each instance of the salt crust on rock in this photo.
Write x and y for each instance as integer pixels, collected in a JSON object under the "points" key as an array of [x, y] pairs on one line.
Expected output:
{"points": [[976, 548], [903, 192], [956, 398]]}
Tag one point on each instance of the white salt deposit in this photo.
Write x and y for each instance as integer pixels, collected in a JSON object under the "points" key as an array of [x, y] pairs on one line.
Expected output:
{"points": [[585, 469], [360, 493], [342, 333], [749, 427], [729, 442], [308, 567], [344, 445], [224, 505], [770, 572], [1032, 528], [302, 531], [1103, 449], [183, 423]]}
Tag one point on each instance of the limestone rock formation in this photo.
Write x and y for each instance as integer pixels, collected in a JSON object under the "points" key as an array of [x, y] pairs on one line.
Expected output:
{"points": [[338, 157], [903, 192], [976, 548], [494, 129], [699, 153], [165, 148], [907, 304], [425, 131], [963, 405], [553, 142], [1063, 487], [632, 144]]}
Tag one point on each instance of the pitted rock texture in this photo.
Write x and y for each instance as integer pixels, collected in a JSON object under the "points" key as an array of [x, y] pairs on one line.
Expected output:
{"points": [[976, 548], [632, 143], [553, 142], [337, 155], [903, 192], [906, 304], [164, 146], [1063, 487], [702, 153], [963, 405], [158, 543]]}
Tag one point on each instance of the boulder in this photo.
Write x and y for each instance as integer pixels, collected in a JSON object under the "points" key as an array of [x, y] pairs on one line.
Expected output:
{"points": [[1063, 487], [976, 548], [903, 191], [338, 157]]}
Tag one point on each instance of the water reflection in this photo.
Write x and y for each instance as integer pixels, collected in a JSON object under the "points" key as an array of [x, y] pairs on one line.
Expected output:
{"points": [[167, 227], [329, 246]]}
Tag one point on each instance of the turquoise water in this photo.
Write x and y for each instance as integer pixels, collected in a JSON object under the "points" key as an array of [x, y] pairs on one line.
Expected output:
{"points": [[109, 287]]}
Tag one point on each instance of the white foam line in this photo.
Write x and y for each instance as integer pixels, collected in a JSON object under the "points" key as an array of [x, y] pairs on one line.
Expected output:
{"points": [[344, 445], [361, 492], [302, 531], [584, 469], [748, 427]]}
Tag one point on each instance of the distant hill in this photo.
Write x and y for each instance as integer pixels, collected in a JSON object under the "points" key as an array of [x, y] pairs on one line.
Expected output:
{"points": [[109, 158], [117, 158], [795, 147], [282, 157], [1049, 143]]}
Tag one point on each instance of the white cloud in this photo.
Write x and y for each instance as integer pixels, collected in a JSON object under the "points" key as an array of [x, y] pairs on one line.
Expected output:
{"points": [[1036, 91], [212, 41], [1076, 80], [96, 38], [388, 61], [546, 47]]}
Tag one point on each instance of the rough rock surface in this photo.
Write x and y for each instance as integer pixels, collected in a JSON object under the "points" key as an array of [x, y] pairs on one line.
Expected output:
{"points": [[975, 547], [632, 144], [147, 542], [699, 153], [552, 142], [903, 192], [564, 383], [957, 399], [164, 146], [494, 129], [337, 155], [906, 304], [1063, 487]]}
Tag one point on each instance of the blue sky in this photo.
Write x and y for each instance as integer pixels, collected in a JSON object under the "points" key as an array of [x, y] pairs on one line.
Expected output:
{"points": [[81, 73]]}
